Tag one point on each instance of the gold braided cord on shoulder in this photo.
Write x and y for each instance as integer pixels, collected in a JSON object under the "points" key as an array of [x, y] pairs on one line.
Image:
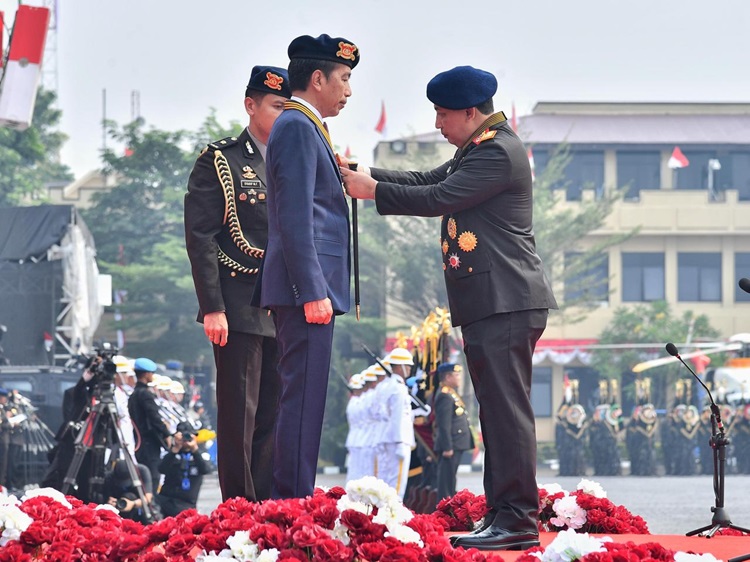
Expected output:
{"points": [[230, 207], [311, 116], [231, 264]]}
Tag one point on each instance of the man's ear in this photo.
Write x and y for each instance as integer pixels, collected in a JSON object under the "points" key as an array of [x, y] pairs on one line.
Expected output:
{"points": [[250, 106], [471, 113], [316, 79]]}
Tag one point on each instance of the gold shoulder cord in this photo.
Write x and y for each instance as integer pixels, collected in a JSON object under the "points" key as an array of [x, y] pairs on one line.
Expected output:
{"points": [[230, 216]]}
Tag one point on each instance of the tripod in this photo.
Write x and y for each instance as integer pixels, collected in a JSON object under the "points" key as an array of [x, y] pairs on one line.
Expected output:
{"points": [[99, 433], [719, 442]]}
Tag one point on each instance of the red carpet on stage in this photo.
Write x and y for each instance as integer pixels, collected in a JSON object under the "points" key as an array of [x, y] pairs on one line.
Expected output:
{"points": [[722, 548]]}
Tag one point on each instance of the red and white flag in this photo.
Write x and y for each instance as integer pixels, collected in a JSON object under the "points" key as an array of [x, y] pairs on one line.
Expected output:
{"points": [[380, 127], [24, 69], [678, 159], [348, 152], [513, 118], [2, 27]]}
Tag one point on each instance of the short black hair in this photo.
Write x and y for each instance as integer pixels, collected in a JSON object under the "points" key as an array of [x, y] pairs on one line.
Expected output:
{"points": [[301, 70], [486, 107], [255, 94]]}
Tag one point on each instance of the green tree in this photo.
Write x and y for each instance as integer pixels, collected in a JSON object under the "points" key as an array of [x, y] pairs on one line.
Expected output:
{"points": [[559, 229], [139, 233], [29, 159]]}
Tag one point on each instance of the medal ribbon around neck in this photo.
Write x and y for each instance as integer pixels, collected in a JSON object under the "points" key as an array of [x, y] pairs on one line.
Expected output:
{"points": [[290, 104]]}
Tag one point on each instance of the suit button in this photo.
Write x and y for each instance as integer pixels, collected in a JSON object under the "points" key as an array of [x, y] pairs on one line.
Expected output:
{"points": [[471, 269], [233, 274]]}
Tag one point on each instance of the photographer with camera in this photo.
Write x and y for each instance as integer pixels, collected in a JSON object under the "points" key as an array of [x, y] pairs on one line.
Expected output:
{"points": [[183, 468], [122, 494], [144, 412]]}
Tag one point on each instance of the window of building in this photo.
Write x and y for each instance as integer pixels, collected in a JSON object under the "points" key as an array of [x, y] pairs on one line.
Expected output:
{"points": [[699, 277], [642, 276], [585, 170], [590, 284], [638, 171], [734, 173], [741, 269], [541, 391], [426, 147], [695, 174]]}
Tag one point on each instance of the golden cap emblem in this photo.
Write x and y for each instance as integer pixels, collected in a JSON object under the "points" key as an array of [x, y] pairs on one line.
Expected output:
{"points": [[467, 241], [452, 228], [273, 81], [346, 51]]}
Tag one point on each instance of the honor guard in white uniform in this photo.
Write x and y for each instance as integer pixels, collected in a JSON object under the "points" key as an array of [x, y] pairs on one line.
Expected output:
{"points": [[354, 417], [397, 435], [370, 422]]}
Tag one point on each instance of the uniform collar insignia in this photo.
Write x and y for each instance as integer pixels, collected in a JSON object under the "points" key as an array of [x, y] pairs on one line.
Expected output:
{"points": [[486, 135], [249, 147]]}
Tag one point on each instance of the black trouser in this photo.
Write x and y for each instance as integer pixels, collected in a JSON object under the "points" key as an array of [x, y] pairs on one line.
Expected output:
{"points": [[247, 395], [446, 474], [498, 354], [172, 506]]}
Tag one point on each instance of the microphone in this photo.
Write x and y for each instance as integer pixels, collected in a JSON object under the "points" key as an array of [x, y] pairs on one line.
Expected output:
{"points": [[672, 350], [745, 284]]}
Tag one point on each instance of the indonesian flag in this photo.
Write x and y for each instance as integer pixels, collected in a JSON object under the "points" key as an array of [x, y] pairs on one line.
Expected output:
{"points": [[23, 71], [513, 118], [380, 127], [2, 26], [348, 152], [678, 159]]}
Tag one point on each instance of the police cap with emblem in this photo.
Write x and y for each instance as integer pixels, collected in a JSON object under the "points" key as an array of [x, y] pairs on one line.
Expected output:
{"points": [[445, 368], [269, 80], [324, 47], [461, 87]]}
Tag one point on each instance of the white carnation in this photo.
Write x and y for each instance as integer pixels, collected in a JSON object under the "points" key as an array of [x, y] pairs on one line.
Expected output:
{"points": [[686, 557], [404, 534], [592, 488], [270, 555], [569, 546], [49, 493], [552, 488], [13, 522]]}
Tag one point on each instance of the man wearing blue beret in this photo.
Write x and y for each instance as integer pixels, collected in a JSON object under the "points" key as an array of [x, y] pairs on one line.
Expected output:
{"points": [[497, 290], [226, 230], [305, 273]]}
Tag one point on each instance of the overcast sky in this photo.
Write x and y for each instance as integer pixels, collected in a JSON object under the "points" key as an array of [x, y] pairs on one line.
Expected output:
{"points": [[186, 56]]}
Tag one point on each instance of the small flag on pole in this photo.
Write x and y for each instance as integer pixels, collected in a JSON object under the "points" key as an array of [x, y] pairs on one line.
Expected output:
{"points": [[678, 159], [348, 152], [531, 163], [24, 68], [513, 118], [380, 127]]}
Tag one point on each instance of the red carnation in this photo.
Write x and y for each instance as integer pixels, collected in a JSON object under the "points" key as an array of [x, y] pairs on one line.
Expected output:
{"points": [[330, 550], [13, 552], [404, 553], [268, 536], [371, 551]]}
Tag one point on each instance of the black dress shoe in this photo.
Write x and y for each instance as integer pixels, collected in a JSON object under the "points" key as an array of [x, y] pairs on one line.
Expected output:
{"points": [[497, 538], [487, 521]]}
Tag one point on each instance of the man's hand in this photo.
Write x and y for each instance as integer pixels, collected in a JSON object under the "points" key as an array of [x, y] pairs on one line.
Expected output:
{"points": [[448, 454], [216, 327], [319, 312], [358, 185]]}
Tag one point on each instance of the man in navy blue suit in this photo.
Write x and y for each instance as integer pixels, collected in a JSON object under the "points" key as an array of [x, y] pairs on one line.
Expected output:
{"points": [[306, 269]]}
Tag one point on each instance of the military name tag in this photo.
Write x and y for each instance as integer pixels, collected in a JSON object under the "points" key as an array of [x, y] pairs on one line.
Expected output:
{"points": [[250, 183]]}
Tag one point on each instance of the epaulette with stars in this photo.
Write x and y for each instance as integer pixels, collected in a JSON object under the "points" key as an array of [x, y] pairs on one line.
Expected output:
{"points": [[220, 144]]}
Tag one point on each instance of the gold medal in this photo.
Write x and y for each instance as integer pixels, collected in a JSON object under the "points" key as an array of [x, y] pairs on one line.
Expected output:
{"points": [[445, 246], [467, 241], [452, 228]]}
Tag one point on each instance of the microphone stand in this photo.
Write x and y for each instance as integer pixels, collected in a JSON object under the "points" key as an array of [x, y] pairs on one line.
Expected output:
{"points": [[719, 442]]}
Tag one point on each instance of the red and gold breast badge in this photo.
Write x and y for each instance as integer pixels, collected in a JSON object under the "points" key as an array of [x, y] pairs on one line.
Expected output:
{"points": [[454, 261], [467, 241], [273, 81], [346, 51], [445, 246], [452, 228]]}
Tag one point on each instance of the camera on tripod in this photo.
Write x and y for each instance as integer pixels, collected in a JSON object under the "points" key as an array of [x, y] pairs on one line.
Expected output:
{"points": [[102, 365], [122, 503]]}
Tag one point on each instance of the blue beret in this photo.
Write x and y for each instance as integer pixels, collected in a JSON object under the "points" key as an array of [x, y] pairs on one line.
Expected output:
{"points": [[144, 364], [461, 88], [4, 391], [449, 367], [269, 80], [324, 47]]}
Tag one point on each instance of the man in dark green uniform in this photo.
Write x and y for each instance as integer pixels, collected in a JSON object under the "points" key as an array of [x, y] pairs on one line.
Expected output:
{"points": [[452, 432], [225, 232], [497, 290]]}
